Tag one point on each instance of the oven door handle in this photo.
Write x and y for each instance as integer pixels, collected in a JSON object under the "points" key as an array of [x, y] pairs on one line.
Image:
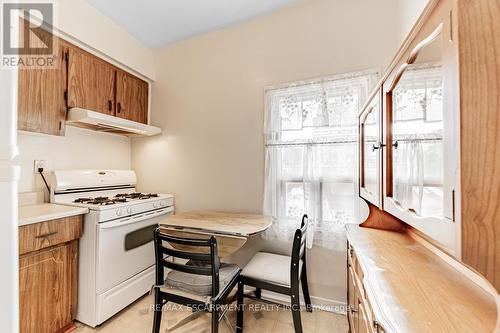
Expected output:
{"points": [[136, 219]]}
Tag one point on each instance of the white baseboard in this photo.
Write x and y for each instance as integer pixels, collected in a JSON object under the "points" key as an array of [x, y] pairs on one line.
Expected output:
{"points": [[318, 303]]}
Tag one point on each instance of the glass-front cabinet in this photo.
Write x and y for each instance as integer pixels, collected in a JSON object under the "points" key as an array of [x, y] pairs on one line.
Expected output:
{"points": [[422, 144], [370, 150], [409, 137]]}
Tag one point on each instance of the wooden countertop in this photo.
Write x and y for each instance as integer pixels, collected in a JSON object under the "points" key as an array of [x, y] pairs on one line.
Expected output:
{"points": [[412, 289], [219, 222], [44, 212]]}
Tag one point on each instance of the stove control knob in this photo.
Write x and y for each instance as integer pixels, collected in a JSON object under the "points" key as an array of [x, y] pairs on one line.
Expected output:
{"points": [[119, 212], [163, 203], [129, 210], [156, 204]]}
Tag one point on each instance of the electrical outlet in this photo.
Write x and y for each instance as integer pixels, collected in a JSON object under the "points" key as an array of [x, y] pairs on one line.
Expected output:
{"points": [[40, 164]]}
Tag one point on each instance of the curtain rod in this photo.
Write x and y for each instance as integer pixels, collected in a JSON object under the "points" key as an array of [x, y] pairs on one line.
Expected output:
{"points": [[320, 80], [296, 144], [287, 144], [417, 139]]}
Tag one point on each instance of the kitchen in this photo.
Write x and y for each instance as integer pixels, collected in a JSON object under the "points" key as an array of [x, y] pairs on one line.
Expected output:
{"points": [[196, 105]]}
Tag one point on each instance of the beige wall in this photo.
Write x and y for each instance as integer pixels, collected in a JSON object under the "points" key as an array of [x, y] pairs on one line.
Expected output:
{"points": [[409, 12], [208, 99], [79, 149], [83, 22]]}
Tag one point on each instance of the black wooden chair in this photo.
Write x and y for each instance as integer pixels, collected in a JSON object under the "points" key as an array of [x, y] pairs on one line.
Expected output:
{"points": [[279, 274], [203, 283]]}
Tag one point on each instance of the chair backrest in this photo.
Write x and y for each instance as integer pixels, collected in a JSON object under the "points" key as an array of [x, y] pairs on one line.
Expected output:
{"points": [[299, 247], [210, 259]]}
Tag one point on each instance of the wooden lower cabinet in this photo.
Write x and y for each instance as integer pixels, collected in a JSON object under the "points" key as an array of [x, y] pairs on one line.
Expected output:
{"points": [[47, 289], [352, 311], [48, 276], [359, 313]]}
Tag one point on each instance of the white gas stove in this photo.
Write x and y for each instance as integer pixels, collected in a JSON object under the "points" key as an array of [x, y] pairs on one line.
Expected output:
{"points": [[116, 254]]}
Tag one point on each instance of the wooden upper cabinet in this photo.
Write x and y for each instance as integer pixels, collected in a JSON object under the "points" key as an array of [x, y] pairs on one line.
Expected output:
{"points": [[91, 82], [78, 79], [41, 102], [421, 131], [131, 97]]}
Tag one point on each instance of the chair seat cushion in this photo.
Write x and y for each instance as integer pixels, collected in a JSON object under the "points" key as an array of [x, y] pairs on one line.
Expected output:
{"points": [[271, 268], [201, 284]]}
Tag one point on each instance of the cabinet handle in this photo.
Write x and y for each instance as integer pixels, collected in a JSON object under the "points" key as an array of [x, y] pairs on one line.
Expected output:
{"points": [[118, 107], [47, 235], [453, 205], [395, 144], [110, 105]]}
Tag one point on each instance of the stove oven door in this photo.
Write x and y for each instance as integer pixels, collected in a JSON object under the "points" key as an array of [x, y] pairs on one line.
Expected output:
{"points": [[125, 248]]}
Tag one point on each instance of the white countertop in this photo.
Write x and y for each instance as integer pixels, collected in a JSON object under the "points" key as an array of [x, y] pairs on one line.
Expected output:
{"points": [[44, 212]]}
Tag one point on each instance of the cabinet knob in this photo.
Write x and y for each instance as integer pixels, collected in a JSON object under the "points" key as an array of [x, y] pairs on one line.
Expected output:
{"points": [[118, 107], [110, 105], [376, 146], [395, 144]]}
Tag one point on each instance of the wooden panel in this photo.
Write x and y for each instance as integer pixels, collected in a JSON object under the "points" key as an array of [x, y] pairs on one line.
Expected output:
{"points": [[41, 235], [48, 289], [131, 97], [402, 277], [379, 219], [479, 58], [41, 102], [91, 82]]}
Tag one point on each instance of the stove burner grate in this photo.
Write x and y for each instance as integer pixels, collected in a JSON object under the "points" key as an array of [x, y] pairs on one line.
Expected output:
{"points": [[136, 195], [118, 198], [102, 201]]}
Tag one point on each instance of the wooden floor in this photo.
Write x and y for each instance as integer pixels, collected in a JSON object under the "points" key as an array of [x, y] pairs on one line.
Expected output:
{"points": [[138, 318]]}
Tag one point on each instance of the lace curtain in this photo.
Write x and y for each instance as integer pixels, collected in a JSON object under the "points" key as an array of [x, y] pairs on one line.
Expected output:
{"points": [[311, 134]]}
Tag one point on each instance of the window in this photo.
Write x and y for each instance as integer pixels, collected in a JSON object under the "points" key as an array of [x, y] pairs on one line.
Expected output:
{"points": [[311, 134]]}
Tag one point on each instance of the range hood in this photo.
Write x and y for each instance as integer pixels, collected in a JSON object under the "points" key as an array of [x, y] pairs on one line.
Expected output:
{"points": [[105, 123]]}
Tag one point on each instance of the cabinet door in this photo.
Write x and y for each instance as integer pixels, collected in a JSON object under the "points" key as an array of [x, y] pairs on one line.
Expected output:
{"points": [[363, 321], [41, 102], [422, 116], [131, 97], [370, 151], [48, 289], [91, 82], [352, 301]]}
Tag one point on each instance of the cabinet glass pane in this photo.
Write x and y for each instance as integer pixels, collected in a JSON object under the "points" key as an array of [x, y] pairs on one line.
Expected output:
{"points": [[417, 134], [371, 150]]}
